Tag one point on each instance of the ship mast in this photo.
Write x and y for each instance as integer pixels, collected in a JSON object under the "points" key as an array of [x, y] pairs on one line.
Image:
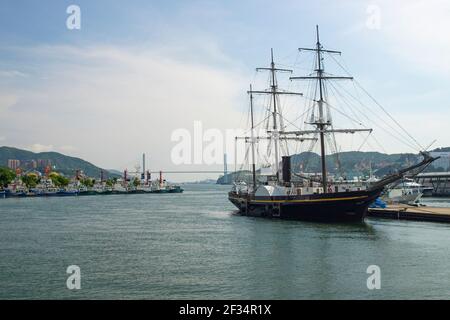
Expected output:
{"points": [[275, 133], [321, 123], [253, 141], [275, 126]]}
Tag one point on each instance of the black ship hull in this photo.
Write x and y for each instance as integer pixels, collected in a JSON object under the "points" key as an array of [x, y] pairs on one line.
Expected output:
{"points": [[329, 207]]}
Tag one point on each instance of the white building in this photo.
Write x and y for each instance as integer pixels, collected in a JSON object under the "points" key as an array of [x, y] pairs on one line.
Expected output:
{"points": [[443, 161]]}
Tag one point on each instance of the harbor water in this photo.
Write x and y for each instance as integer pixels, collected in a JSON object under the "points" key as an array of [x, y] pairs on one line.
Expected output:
{"points": [[193, 246]]}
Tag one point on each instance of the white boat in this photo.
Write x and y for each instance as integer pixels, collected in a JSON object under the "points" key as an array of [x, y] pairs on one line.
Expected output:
{"points": [[407, 192]]}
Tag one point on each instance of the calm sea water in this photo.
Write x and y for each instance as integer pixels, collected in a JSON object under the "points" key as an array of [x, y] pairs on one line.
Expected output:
{"points": [[192, 246]]}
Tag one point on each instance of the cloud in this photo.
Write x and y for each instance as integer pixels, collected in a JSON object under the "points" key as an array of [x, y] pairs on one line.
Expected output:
{"points": [[114, 103], [409, 58], [415, 31], [420, 31], [12, 73], [67, 149], [7, 100], [37, 147]]}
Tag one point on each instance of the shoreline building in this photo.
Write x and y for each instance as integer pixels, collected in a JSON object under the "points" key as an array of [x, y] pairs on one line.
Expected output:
{"points": [[13, 164], [443, 162]]}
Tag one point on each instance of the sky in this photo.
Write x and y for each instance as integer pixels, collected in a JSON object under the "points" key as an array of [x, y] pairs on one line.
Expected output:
{"points": [[138, 72]]}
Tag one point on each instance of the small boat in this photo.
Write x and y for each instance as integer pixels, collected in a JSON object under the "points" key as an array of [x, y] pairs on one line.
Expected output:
{"points": [[406, 192], [67, 193], [427, 191], [86, 192], [17, 194], [175, 189], [165, 189], [54, 192]]}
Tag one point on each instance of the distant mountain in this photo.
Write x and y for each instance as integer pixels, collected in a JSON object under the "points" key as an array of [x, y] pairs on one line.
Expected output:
{"points": [[115, 172], [353, 163], [59, 162], [447, 149], [243, 175], [206, 181]]}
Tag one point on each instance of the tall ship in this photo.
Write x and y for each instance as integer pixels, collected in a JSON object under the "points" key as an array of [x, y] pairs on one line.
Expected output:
{"points": [[282, 191]]}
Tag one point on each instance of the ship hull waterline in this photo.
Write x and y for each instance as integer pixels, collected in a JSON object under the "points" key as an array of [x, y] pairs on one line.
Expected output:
{"points": [[329, 207]]}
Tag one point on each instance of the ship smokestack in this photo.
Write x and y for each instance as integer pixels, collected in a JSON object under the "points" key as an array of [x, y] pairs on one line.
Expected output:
{"points": [[143, 162], [143, 167], [286, 171], [225, 168]]}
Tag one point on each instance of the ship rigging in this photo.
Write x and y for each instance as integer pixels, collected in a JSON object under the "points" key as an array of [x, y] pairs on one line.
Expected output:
{"points": [[310, 198]]}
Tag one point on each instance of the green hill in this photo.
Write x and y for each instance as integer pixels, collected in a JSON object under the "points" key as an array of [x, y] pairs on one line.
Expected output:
{"points": [[59, 162], [353, 163], [243, 175], [447, 149]]}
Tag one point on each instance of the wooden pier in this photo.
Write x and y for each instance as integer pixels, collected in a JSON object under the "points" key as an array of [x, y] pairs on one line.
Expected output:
{"points": [[405, 212]]}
